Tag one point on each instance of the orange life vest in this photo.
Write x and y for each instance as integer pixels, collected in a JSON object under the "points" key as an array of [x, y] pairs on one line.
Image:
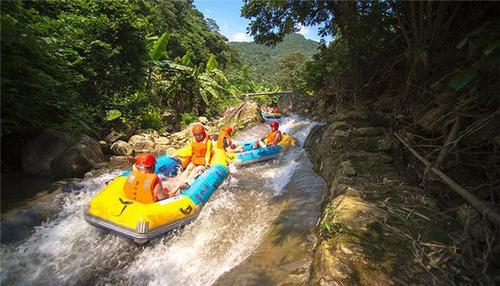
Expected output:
{"points": [[200, 151], [220, 141], [271, 136], [139, 187]]}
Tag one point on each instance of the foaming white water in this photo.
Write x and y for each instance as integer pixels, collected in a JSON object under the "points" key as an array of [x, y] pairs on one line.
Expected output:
{"points": [[66, 250], [62, 249], [278, 177], [228, 229]]}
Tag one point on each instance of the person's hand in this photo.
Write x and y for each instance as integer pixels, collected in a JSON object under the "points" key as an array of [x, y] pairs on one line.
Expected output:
{"points": [[233, 146]]}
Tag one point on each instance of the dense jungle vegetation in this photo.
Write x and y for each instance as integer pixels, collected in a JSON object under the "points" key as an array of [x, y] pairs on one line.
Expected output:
{"points": [[265, 59], [431, 67], [85, 67]]}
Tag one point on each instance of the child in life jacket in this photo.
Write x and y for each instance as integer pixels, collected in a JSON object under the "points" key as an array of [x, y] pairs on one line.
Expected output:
{"points": [[224, 141], [143, 185], [272, 138]]}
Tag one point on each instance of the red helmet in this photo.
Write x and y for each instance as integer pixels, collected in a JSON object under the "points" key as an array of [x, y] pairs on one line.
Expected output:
{"points": [[145, 159], [227, 129], [198, 128], [274, 125]]}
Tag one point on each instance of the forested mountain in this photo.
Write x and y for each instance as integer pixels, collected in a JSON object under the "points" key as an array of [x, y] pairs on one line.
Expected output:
{"points": [[264, 59]]}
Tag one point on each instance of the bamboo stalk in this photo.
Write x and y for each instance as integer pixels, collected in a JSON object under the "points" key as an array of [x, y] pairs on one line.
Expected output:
{"points": [[478, 204]]}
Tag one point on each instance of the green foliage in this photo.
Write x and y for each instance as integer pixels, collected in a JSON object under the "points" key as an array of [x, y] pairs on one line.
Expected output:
{"points": [[113, 114], [266, 100], [188, 118], [290, 72], [264, 60], [82, 66], [157, 49], [212, 63], [189, 30]]}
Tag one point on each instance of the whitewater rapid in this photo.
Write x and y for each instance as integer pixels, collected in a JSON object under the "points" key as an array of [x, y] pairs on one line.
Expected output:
{"points": [[65, 250]]}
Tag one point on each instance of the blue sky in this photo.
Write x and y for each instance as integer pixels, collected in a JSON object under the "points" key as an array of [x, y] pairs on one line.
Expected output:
{"points": [[227, 15]]}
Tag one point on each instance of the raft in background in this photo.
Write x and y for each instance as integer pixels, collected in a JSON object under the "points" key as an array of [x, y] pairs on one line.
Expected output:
{"points": [[270, 115], [113, 211], [250, 156]]}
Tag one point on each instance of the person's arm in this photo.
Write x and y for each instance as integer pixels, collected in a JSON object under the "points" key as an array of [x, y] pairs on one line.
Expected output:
{"points": [[158, 192]]}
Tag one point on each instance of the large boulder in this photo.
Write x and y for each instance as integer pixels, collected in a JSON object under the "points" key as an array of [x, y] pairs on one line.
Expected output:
{"points": [[84, 155], [38, 154], [141, 144], [122, 148], [242, 116]]}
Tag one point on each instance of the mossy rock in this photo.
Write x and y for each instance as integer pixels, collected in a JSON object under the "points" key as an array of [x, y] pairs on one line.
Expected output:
{"points": [[371, 144], [368, 131]]}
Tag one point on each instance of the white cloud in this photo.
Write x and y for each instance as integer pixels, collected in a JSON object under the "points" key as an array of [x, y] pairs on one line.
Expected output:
{"points": [[240, 37], [303, 30]]}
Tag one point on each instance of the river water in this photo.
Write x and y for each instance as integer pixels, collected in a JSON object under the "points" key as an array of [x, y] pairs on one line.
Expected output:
{"points": [[257, 229]]}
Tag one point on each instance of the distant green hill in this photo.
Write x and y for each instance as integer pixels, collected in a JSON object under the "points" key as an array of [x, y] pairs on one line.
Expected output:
{"points": [[264, 60]]}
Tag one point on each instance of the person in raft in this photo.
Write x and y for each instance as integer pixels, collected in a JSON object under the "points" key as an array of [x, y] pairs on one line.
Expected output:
{"points": [[201, 151], [143, 185], [224, 141], [272, 138]]}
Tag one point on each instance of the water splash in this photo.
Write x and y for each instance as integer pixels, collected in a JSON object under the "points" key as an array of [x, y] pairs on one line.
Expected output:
{"points": [[63, 249]]}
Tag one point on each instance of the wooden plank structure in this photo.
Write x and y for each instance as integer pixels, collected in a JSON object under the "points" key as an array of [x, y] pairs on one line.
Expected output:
{"points": [[275, 93]]}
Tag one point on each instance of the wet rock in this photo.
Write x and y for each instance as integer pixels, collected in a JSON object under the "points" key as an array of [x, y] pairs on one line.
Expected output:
{"points": [[39, 153], [65, 185], [127, 159], [122, 148], [105, 147], [85, 154]]}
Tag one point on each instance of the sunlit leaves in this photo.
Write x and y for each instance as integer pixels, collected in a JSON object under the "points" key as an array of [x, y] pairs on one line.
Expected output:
{"points": [[113, 114], [157, 50]]}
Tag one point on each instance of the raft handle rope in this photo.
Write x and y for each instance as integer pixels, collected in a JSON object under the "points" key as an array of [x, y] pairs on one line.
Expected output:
{"points": [[186, 211], [125, 205]]}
